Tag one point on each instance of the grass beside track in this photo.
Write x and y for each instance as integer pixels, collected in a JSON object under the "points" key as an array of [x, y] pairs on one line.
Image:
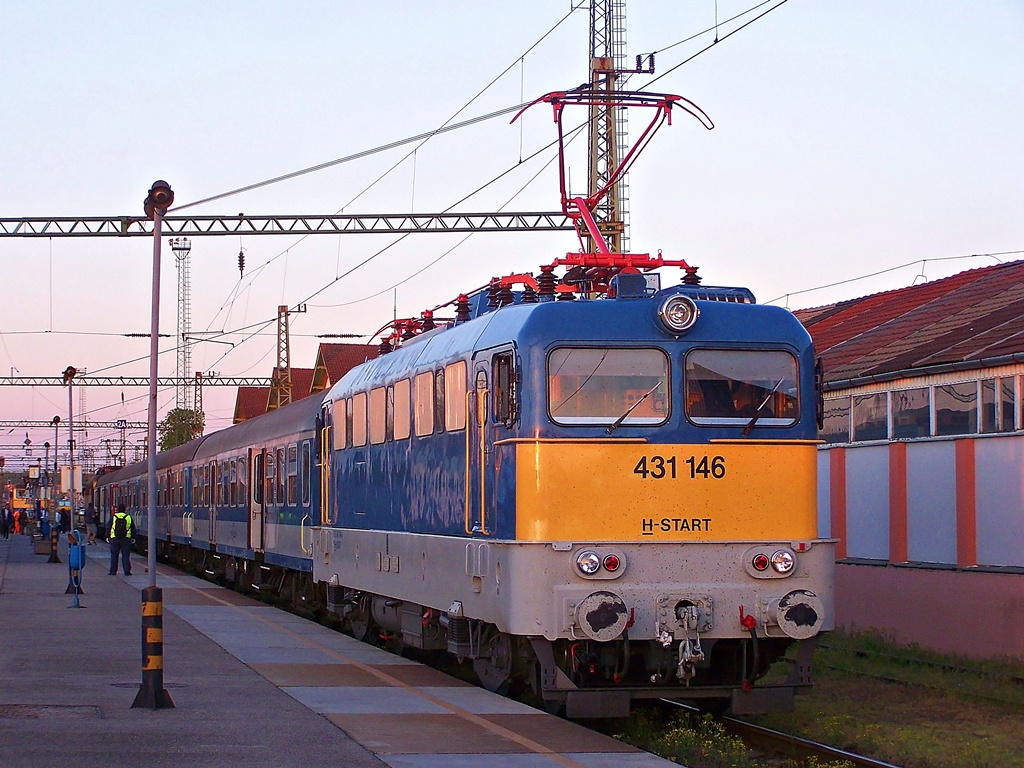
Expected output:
{"points": [[910, 707]]}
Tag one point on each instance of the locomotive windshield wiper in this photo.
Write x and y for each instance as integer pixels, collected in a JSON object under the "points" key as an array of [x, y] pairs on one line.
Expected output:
{"points": [[757, 413], [629, 410]]}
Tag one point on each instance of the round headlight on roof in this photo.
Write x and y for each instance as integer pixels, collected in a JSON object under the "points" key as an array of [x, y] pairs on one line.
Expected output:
{"points": [[678, 313]]}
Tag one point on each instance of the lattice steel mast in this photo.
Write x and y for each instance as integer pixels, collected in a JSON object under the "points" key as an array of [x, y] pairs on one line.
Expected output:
{"points": [[608, 128], [183, 397]]}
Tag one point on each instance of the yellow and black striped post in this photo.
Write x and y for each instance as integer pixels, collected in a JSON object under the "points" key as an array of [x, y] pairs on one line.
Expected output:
{"points": [[152, 694], [54, 539]]}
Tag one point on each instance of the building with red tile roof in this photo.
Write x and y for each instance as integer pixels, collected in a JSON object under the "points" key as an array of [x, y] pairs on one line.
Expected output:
{"points": [[920, 475], [335, 360]]}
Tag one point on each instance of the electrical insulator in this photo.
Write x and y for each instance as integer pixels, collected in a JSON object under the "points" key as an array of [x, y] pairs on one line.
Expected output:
{"points": [[241, 263]]}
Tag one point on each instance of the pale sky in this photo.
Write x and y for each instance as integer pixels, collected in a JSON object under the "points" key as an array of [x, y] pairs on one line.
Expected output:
{"points": [[851, 137]]}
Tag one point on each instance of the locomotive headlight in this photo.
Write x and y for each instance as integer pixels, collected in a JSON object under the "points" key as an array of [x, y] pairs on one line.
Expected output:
{"points": [[588, 562], [783, 561], [678, 313]]}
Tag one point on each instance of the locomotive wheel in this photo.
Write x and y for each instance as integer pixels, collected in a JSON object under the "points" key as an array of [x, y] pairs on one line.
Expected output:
{"points": [[494, 664], [362, 625]]}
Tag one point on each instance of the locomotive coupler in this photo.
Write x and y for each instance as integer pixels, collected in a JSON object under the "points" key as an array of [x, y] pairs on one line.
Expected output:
{"points": [[690, 652]]}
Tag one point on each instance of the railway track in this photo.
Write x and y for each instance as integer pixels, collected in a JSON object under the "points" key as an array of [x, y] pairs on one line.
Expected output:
{"points": [[785, 745]]}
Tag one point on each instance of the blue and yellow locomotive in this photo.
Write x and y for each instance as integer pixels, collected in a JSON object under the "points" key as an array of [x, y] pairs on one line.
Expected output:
{"points": [[609, 498]]}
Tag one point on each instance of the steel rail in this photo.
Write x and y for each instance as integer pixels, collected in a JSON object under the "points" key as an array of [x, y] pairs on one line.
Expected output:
{"points": [[316, 224], [795, 746]]}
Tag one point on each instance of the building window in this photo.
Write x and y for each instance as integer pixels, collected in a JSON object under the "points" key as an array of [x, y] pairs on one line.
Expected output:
{"points": [[401, 417], [836, 428], [911, 413], [869, 417], [997, 406], [956, 409], [424, 391]]}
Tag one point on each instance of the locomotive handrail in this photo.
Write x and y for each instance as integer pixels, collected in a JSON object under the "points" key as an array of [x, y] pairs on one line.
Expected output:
{"points": [[469, 530], [302, 535], [762, 441], [481, 412]]}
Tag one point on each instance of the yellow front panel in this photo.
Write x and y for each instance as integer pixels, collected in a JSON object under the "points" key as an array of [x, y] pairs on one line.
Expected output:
{"points": [[610, 491]]}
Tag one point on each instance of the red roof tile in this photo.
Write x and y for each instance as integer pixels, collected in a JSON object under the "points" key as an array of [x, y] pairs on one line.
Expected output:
{"points": [[970, 316]]}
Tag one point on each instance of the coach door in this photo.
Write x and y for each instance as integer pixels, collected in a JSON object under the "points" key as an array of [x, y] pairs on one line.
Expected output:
{"points": [[478, 451], [257, 502]]}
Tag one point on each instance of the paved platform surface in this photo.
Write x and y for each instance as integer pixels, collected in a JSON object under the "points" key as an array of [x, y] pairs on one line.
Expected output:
{"points": [[251, 685]]}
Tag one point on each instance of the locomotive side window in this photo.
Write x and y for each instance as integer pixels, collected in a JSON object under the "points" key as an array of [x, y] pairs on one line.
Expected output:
{"points": [[504, 389], [389, 415], [359, 419], [348, 424], [339, 417], [378, 415], [439, 401], [597, 386], [729, 387], [424, 390], [401, 418], [455, 396]]}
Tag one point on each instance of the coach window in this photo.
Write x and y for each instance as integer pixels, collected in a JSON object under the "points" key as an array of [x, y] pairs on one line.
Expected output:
{"points": [[592, 386], [504, 389], [729, 387], [455, 396], [403, 398], [423, 390], [241, 481], [359, 420], [293, 474], [281, 470], [268, 496], [378, 399], [233, 483], [306, 473], [339, 417]]}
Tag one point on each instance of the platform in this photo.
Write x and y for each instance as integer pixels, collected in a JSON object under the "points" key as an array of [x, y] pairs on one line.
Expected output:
{"points": [[251, 684]]}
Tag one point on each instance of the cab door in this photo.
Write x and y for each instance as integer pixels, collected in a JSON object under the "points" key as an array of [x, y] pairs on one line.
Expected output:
{"points": [[478, 452], [257, 501]]}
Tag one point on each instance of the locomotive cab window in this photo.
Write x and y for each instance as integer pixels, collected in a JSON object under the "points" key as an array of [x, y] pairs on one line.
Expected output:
{"points": [[504, 376], [602, 386], [729, 387]]}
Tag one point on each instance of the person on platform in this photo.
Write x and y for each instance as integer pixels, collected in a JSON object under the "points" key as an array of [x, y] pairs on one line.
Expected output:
{"points": [[6, 523], [17, 520], [91, 519], [120, 538]]}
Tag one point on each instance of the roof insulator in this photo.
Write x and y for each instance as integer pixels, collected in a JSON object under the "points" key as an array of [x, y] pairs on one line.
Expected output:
{"points": [[428, 320], [529, 295], [462, 309], [546, 281]]}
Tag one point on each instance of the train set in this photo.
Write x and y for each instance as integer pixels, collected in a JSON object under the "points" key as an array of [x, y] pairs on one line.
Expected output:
{"points": [[587, 484]]}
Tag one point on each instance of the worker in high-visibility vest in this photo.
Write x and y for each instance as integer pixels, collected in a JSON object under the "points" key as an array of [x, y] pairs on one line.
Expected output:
{"points": [[121, 533]]}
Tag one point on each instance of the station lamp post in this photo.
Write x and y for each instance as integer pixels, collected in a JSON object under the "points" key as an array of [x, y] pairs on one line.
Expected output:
{"points": [[151, 693], [69, 375]]}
